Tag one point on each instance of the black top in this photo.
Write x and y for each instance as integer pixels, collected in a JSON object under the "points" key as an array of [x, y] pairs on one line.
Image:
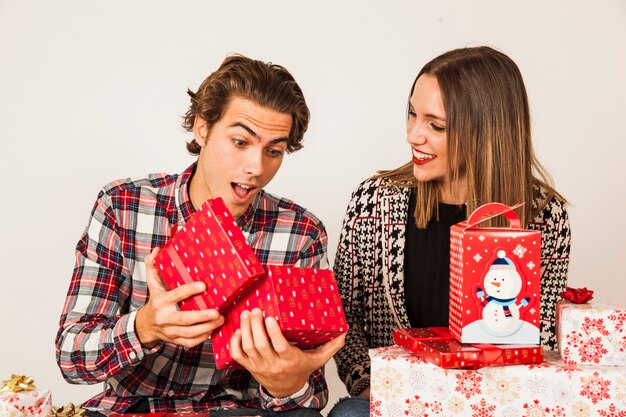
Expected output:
{"points": [[427, 266]]}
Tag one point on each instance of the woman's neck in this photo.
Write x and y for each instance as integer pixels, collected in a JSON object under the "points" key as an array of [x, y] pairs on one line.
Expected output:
{"points": [[456, 194]]}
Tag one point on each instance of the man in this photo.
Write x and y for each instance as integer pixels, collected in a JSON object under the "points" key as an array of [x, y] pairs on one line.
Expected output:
{"points": [[120, 324]]}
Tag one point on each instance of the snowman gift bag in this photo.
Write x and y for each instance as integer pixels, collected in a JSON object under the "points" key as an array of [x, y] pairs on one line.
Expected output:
{"points": [[494, 279]]}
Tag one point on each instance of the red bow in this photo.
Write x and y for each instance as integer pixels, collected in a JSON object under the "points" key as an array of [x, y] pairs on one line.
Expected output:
{"points": [[577, 295]]}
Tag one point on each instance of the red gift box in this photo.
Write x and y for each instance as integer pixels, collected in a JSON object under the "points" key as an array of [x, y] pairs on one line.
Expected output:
{"points": [[411, 339], [304, 301], [438, 346], [209, 248], [494, 279]]}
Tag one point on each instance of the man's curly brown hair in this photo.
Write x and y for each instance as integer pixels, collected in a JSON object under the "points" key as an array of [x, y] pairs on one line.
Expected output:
{"points": [[267, 84]]}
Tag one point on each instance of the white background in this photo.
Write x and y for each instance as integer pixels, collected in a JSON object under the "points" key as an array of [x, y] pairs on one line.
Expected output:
{"points": [[94, 91]]}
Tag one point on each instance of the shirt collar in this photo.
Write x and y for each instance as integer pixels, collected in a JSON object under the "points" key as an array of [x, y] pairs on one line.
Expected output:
{"points": [[185, 208], [183, 201], [245, 221]]}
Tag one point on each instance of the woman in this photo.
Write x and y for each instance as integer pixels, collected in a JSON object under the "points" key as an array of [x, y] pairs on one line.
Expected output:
{"points": [[468, 126]]}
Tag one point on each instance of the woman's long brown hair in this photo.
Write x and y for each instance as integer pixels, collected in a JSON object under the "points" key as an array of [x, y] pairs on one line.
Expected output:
{"points": [[488, 133]]}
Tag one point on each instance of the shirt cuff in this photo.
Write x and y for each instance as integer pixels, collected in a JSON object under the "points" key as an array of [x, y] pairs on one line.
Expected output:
{"points": [[274, 403], [130, 349]]}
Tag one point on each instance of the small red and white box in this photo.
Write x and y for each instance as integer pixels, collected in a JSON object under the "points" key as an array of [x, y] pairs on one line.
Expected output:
{"points": [[495, 277], [304, 301], [445, 351], [412, 338], [591, 334], [210, 248], [29, 402]]}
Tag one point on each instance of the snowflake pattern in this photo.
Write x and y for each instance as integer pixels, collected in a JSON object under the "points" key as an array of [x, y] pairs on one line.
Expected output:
{"points": [[537, 384], [574, 339], [436, 407], [555, 389], [592, 350], [390, 384], [375, 408], [620, 389], [590, 325], [456, 405], [25, 403], [594, 334], [501, 387], [580, 409], [595, 388], [612, 411], [483, 409], [535, 409], [618, 317], [468, 383], [415, 407], [520, 251]]}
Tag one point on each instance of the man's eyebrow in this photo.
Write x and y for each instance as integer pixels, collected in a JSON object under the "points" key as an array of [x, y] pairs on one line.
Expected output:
{"points": [[246, 128], [254, 134]]}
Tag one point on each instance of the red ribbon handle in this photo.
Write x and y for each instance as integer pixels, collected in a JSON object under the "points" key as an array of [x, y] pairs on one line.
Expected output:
{"points": [[490, 210]]}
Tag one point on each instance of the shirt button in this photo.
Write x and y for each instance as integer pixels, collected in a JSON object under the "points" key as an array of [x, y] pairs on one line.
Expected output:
{"points": [[132, 355], [171, 393]]}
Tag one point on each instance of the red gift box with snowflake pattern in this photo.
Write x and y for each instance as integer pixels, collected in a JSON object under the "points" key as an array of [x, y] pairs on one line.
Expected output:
{"points": [[403, 384], [304, 301], [210, 248], [438, 346], [591, 334], [494, 279]]}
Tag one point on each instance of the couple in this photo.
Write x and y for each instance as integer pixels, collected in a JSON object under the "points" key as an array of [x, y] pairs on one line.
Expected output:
{"points": [[468, 129]]}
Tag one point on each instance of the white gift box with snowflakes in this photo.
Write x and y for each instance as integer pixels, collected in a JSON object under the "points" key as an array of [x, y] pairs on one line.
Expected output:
{"points": [[33, 403], [404, 385], [593, 333]]}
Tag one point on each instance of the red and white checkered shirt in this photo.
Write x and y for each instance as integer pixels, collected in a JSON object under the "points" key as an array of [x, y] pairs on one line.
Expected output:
{"points": [[96, 341]]}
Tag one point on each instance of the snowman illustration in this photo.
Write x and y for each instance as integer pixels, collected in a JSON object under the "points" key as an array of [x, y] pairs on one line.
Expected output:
{"points": [[502, 285]]}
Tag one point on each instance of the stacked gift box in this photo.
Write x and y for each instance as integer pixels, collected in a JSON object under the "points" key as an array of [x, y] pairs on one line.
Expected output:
{"points": [[211, 248], [489, 361], [19, 397]]}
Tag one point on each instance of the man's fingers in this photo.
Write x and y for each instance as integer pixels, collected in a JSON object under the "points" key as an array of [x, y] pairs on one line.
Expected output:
{"points": [[236, 352], [187, 318], [279, 342], [153, 277], [247, 338], [185, 291], [261, 340], [178, 334]]}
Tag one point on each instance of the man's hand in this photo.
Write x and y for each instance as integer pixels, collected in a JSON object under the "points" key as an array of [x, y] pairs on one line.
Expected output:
{"points": [[281, 368], [159, 320]]}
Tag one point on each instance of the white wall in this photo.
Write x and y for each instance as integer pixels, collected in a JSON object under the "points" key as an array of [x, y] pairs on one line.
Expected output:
{"points": [[93, 91]]}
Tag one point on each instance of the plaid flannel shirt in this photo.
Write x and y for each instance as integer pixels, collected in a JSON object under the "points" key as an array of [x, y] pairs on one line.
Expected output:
{"points": [[96, 341]]}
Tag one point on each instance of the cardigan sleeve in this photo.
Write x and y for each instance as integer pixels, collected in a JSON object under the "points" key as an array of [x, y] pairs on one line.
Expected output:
{"points": [[553, 222], [353, 363]]}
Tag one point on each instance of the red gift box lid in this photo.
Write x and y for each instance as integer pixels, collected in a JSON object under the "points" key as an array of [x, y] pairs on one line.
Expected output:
{"points": [[447, 352], [210, 248]]}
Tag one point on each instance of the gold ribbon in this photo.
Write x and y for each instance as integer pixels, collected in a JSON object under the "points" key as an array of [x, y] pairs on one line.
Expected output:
{"points": [[18, 383], [70, 410]]}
